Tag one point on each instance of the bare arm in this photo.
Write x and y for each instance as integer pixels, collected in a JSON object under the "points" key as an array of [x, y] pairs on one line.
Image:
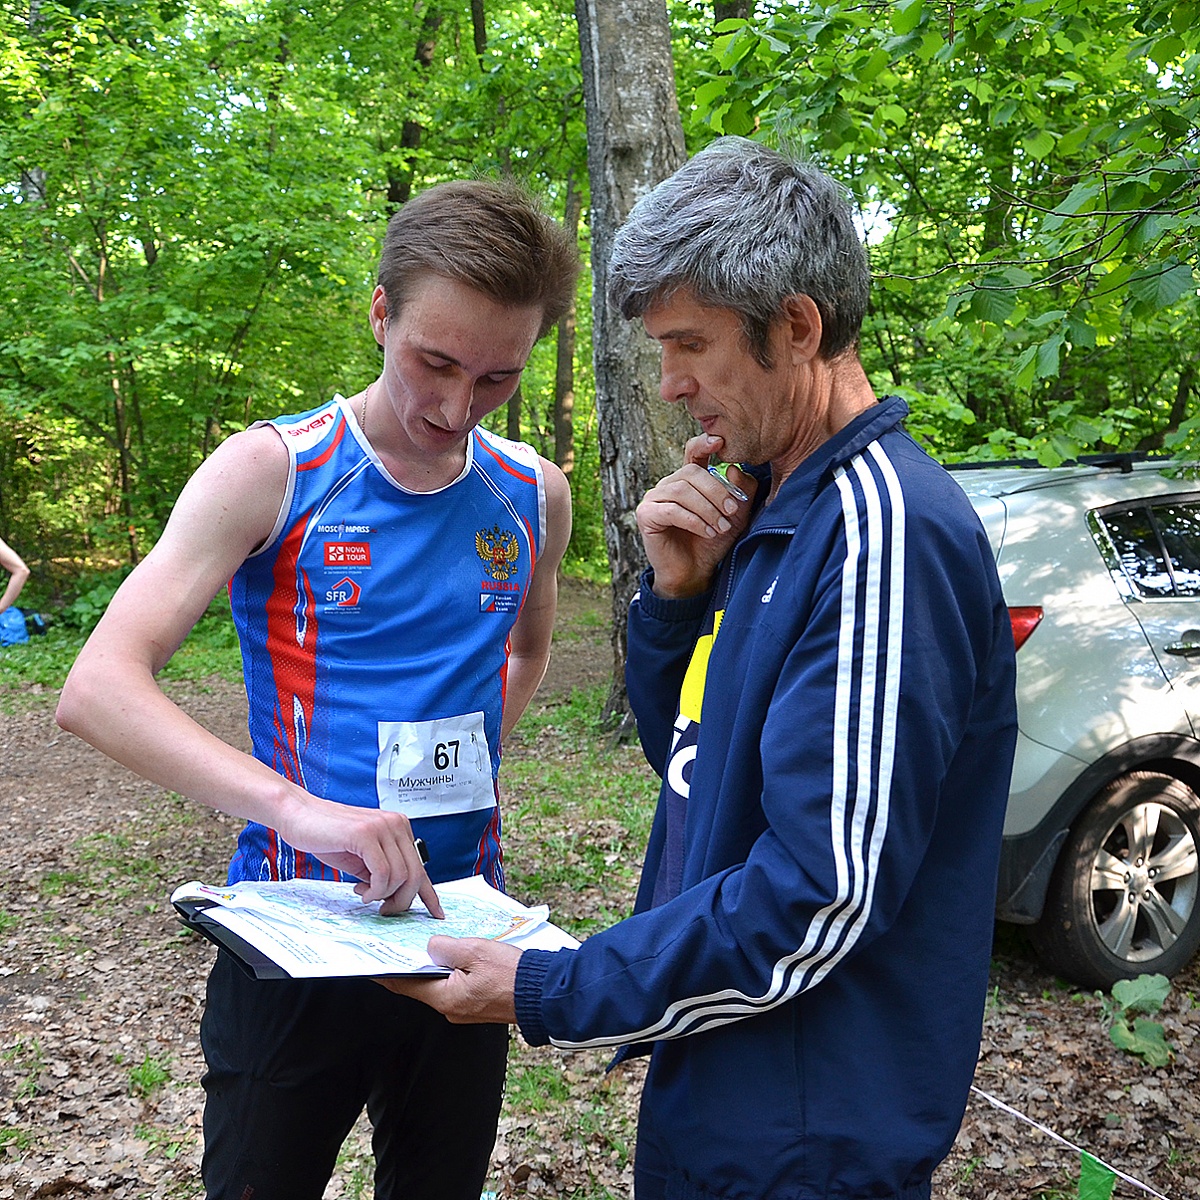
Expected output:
{"points": [[12, 562], [529, 647], [112, 700]]}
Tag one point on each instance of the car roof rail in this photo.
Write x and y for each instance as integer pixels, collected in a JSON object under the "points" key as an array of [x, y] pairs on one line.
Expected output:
{"points": [[1122, 460], [989, 464]]}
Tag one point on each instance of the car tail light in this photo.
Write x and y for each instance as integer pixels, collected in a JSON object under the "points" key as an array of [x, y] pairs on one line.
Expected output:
{"points": [[1024, 621]]}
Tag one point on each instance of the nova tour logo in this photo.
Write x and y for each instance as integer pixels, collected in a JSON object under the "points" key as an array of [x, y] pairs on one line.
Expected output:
{"points": [[499, 550], [347, 554]]}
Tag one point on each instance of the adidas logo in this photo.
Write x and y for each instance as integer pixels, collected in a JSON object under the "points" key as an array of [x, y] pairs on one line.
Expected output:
{"points": [[766, 596]]}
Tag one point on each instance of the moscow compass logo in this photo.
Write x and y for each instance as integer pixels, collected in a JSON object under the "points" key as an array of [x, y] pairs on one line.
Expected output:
{"points": [[499, 550]]}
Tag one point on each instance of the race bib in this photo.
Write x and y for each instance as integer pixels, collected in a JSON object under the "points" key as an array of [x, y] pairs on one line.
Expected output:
{"points": [[430, 768]]}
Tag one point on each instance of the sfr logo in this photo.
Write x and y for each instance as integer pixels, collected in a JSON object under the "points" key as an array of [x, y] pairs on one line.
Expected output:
{"points": [[344, 593]]}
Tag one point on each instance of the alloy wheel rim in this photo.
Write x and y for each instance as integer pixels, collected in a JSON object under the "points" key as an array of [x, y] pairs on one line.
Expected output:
{"points": [[1144, 882]]}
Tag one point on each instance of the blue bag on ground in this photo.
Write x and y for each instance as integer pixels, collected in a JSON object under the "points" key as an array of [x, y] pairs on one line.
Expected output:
{"points": [[12, 627]]}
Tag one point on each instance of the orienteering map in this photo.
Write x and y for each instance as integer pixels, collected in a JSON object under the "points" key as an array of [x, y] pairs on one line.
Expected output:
{"points": [[315, 929]]}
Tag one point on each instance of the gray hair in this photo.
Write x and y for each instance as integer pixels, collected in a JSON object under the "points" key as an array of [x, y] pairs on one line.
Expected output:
{"points": [[744, 227]]}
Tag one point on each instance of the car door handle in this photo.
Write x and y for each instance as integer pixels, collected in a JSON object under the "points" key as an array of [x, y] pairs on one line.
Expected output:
{"points": [[1183, 649]]}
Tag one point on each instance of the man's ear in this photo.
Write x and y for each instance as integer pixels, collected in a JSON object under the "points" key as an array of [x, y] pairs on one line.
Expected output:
{"points": [[803, 325], [379, 314]]}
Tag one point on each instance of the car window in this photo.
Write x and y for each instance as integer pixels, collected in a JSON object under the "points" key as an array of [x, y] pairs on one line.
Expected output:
{"points": [[1179, 525], [1138, 551], [1155, 547]]}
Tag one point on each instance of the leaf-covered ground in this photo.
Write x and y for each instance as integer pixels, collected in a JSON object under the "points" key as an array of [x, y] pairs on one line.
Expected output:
{"points": [[101, 992]]}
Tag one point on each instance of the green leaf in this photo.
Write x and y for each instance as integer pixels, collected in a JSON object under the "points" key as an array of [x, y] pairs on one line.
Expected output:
{"points": [[1017, 276], [739, 118], [1047, 357], [707, 94], [931, 42], [1080, 332], [1144, 994], [1167, 50], [895, 283], [1080, 198], [1070, 141], [1163, 286], [1038, 145], [1184, 17], [980, 89], [871, 68], [1005, 111], [1096, 1181], [1145, 1038], [1056, 450], [994, 304], [1025, 369], [775, 44], [906, 16], [1046, 318]]}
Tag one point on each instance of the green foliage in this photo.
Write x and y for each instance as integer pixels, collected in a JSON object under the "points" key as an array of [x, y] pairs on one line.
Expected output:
{"points": [[587, 553], [13, 1140], [147, 1077], [608, 796], [27, 1057], [193, 200], [194, 196], [163, 1141], [54, 883], [536, 1087], [1027, 175], [132, 323], [88, 606], [108, 862], [40, 665], [1138, 1035]]}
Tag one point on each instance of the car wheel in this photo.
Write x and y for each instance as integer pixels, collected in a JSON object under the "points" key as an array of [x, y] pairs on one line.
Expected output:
{"points": [[1123, 901]]}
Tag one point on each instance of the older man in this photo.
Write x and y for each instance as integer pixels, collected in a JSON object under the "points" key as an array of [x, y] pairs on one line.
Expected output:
{"points": [[821, 665]]}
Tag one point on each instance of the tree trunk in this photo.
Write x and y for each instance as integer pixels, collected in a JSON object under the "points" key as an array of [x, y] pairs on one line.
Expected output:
{"points": [[400, 177], [124, 460], [731, 10], [512, 416], [33, 179], [635, 139], [1155, 441], [564, 363]]}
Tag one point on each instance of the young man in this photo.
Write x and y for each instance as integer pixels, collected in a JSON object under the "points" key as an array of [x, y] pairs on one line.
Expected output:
{"points": [[392, 575], [822, 669]]}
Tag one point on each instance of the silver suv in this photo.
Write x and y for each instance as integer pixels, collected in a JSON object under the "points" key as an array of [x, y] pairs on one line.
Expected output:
{"points": [[1100, 565]]}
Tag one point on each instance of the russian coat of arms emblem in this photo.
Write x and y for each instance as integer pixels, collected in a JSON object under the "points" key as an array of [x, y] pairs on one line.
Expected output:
{"points": [[499, 550]]}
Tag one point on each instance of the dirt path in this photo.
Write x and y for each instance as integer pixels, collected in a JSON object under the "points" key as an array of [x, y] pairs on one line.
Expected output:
{"points": [[100, 996]]}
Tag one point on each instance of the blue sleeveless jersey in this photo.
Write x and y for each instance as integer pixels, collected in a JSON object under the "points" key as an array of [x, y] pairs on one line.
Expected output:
{"points": [[374, 628]]}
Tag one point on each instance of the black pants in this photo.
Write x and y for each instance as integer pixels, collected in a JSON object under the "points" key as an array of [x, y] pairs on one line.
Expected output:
{"points": [[291, 1063]]}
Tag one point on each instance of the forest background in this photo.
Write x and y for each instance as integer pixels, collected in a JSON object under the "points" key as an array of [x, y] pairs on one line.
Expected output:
{"points": [[193, 193], [192, 197]]}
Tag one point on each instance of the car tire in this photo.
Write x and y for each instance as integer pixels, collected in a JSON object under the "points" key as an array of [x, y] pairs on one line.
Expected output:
{"points": [[1124, 897]]}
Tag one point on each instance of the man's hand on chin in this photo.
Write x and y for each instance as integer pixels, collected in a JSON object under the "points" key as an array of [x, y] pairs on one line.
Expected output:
{"points": [[479, 989]]}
